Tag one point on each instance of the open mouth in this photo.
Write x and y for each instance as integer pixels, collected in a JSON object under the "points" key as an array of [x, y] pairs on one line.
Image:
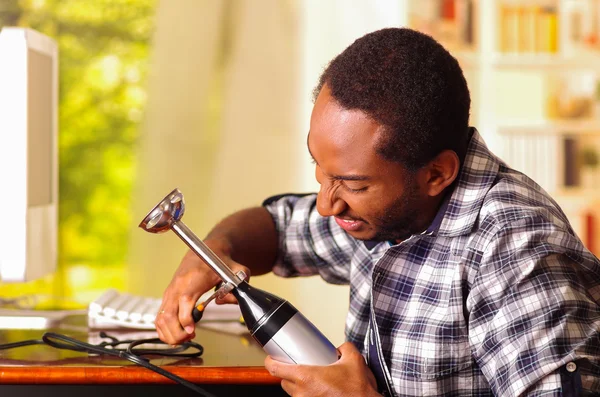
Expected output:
{"points": [[348, 225]]}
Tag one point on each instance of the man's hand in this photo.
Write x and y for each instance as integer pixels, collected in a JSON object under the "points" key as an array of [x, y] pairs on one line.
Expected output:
{"points": [[349, 376], [174, 322]]}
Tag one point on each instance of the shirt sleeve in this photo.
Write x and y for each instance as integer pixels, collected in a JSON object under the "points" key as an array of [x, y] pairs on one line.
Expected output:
{"points": [[534, 312], [309, 244]]}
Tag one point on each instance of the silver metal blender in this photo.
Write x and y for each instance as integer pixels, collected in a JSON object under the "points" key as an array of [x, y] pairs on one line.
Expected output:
{"points": [[283, 332]]}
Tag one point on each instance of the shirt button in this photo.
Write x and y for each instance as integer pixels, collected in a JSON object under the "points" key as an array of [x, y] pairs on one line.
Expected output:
{"points": [[571, 367]]}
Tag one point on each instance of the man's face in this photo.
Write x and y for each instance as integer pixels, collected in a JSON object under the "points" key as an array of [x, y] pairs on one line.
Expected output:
{"points": [[370, 197]]}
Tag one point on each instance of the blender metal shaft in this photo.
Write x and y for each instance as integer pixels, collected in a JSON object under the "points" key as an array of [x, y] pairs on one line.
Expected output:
{"points": [[211, 259]]}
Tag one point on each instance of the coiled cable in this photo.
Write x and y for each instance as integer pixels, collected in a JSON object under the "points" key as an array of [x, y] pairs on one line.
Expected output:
{"points": [[132, 353]]}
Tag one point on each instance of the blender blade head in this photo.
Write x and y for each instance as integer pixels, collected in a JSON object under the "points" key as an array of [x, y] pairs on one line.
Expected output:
{"points": [[162, 217]]}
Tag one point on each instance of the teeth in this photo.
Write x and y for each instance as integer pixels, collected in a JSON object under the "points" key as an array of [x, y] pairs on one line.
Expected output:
{"points": [[347, 221]]}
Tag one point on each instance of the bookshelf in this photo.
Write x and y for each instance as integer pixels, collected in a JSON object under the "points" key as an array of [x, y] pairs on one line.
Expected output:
{"points": [[533, 68], [583, 61]]}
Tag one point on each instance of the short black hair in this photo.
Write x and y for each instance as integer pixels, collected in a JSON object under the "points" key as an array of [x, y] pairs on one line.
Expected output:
{"points": [[412, 86]]}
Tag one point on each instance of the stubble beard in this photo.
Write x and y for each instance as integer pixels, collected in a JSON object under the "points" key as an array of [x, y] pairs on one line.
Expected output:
{"points": [[401, 218]]}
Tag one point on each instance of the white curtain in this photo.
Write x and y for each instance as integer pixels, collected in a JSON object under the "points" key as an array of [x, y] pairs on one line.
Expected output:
{"points": [[175, 150]]}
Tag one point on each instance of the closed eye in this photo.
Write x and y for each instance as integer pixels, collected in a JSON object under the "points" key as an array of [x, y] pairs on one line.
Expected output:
{"points": [[352, 190]]}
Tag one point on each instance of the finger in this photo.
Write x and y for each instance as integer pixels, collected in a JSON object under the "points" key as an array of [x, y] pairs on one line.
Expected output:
{"points": [[186, 305], [170, 340], [161, 328], [227, 299], [160, 333], [163, 332], [281, 370], [288, 386], [158, 324], [168, 322], [186, 338], [190, 337], [235, 267]]}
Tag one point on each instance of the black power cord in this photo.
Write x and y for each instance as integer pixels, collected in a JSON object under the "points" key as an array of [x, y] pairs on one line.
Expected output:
{"points": [[132, 353]]}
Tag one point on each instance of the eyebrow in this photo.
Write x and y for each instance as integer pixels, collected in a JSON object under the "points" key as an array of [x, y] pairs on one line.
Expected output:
{"points": [[351, 177]]}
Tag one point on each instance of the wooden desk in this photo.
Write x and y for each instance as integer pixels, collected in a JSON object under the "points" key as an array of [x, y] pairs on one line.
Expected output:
{"points": [[230, 365]]}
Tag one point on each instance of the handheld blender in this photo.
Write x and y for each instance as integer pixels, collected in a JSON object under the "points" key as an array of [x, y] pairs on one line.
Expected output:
{"points": [[282, 331]]}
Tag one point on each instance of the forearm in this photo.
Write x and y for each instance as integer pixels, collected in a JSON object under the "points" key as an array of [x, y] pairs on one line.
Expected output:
{"points": [[250, 238]]}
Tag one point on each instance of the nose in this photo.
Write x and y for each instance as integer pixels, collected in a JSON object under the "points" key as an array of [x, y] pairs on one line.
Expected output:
{"points": [[328, 203]]}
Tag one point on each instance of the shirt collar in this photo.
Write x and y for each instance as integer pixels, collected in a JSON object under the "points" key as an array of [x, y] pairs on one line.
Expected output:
{"points": [[476, 178], [460, 208], [439, 216]]}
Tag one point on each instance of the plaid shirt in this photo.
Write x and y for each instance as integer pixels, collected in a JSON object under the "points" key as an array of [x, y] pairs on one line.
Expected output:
{"points": [[497, 297]]}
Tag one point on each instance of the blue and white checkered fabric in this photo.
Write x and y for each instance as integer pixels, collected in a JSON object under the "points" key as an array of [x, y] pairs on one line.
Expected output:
{"points": [[496, 299]]}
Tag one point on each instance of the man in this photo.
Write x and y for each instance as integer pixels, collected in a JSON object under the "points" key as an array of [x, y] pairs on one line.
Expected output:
{"points": [[465, 276]]}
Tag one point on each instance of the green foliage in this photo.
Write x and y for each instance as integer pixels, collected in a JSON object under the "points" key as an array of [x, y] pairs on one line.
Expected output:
{"points": [[104, 51]]}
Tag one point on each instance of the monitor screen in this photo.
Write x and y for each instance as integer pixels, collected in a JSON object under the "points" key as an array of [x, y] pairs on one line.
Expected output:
{"points": [[28, 154]]}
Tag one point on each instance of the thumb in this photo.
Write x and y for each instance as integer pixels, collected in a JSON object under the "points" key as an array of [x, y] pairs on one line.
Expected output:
{"points": [[236, 268], [186, 304], [348, 349], [229, 298]]}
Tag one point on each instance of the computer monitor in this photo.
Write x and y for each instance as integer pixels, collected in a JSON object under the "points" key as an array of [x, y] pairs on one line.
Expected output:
{"points": [[28, 154]]}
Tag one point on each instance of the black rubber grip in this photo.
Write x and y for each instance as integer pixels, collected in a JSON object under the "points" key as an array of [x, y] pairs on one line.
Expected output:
{"points": [[275, 320], [197, 314]]}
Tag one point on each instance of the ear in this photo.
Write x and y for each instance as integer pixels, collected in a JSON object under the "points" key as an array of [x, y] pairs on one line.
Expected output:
{"points": [[441, 172]]}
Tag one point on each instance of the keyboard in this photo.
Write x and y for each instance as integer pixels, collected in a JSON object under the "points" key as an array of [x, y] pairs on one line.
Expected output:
{"points": [[115, 309]]}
